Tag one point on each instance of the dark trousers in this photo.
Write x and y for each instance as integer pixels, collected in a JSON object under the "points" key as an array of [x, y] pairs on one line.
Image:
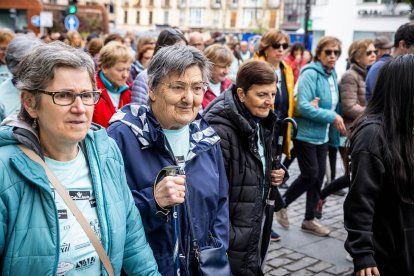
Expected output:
{"points": [[339, 183], [312, 165]]}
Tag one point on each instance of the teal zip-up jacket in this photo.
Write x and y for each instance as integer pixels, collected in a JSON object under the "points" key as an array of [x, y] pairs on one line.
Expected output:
{"points": [[29, 231], [312, 122]]}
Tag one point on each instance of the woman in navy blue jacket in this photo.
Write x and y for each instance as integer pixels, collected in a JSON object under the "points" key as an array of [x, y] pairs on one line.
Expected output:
{"points": [[169, 131]]}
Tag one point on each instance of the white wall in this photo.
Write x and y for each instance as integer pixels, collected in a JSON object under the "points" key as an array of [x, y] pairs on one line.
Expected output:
{"points": [[340, 18]]}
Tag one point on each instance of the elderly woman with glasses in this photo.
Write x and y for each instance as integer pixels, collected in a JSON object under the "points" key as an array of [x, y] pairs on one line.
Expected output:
{"points": [[115, 61], [169, 131], [316, 81], [39, 233]]}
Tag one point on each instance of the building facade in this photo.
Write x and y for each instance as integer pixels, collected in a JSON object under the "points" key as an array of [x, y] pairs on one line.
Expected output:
{"points": [[356, 19], [201, 15]]}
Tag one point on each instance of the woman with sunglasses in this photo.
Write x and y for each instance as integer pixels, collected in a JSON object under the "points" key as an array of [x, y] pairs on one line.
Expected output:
{"points": [[361, 54], [39, 233], [317, 80], [272, 49]]}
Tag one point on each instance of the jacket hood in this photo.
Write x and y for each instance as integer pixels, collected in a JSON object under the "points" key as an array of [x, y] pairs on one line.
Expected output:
{"points": [[15, 131], [228, 110], [318, 67], [146, 128]]}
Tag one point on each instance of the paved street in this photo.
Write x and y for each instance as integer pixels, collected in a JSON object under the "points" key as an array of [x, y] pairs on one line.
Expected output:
{"points": [[300, 253]]}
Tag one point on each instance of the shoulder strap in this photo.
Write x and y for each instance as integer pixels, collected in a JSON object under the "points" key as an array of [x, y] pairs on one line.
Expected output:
{"points": [[73, 208]]}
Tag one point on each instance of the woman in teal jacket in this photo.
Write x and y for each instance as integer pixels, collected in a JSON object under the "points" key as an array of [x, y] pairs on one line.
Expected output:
{"points": [[39, 234], [317, 81]]}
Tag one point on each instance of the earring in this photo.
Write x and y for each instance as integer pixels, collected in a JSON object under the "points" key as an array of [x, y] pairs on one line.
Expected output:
{"points": [[34, 124]]}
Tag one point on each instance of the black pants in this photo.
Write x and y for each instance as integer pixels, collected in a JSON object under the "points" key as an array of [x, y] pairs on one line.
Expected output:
{"points": [[339, 183], [312, 165]]}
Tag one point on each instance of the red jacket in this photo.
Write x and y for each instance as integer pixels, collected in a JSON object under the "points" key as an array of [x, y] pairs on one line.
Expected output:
{"points": [[210, 96], [296, 66], [104, 109]]}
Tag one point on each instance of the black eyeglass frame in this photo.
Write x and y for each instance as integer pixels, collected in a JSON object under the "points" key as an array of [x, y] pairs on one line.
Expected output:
{"points": [[96, 95], [368, 53], [276, 45], [329, 52]]}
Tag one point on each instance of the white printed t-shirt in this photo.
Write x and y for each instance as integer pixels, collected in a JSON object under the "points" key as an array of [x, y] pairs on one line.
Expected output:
{"points": [[77, 254]]}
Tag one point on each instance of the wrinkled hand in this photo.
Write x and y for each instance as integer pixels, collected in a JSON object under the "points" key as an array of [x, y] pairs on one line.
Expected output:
{"points": [[170, 191], [315, 102], [277, 177], [369, 271], [339, 124]]}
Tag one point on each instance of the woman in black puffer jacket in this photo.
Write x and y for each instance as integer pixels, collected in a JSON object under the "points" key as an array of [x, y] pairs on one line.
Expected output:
{"points": [[243, 118]]}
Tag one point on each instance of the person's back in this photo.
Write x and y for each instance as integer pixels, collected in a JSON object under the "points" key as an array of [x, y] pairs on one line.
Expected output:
{"points": [[372, 76]]}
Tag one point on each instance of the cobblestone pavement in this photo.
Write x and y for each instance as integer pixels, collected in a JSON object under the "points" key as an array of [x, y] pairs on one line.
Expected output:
{"points": [[300, 253]]}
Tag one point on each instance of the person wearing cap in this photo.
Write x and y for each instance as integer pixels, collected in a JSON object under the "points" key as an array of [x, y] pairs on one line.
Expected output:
{"points": [[383, 46], [403, 44]]}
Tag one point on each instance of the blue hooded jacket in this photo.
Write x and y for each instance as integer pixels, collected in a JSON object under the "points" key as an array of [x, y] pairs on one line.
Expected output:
{"points": [[313, 122], [29, 232], [145, 151]]}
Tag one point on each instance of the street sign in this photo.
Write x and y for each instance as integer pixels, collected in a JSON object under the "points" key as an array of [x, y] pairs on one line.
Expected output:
{"points": [[46, 19], [71, 22], [35, 20]]}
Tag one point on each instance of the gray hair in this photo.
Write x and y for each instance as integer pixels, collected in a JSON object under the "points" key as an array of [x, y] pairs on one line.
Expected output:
{"points": [[176, 59], [37, 69], [21, 45]]}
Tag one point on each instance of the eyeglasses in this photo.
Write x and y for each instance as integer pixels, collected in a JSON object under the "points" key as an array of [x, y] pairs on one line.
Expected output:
{"points": [[329, 52], [65, 98], [276, 45], [371, 51], [179, 87]]}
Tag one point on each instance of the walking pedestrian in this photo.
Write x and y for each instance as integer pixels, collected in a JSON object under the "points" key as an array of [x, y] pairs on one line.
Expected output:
{"points": [[39, 233], [361, 54], [243, 118], [379, 208], [170, 131], [317, 81]]}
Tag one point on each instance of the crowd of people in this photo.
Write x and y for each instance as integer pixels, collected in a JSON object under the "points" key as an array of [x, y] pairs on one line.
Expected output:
{"points": [[131, 155]]}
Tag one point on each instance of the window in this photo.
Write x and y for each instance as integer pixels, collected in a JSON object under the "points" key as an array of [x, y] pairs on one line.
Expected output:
{"points": [[216, 19], [150, 18], [125, 17], [151, 3], [233, 19], [234, 2], [250, 17], [138, 17], [196, 16], [165, 17], [182, 17]]}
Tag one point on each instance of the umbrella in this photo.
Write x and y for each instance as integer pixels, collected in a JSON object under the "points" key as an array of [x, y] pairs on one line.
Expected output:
{"points": [[274, 200]]}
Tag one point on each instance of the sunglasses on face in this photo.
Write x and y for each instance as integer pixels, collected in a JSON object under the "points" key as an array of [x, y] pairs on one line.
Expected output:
{"points": [[329, 52], [276, 45], [371, 51]]}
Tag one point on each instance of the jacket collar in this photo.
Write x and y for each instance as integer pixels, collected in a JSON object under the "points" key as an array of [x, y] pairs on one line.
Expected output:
{"points": [[108, 85], [146, 128], [360, 70]]}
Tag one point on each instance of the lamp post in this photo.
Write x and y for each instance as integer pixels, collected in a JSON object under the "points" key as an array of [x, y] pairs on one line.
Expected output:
{"points": [[306, 27]]}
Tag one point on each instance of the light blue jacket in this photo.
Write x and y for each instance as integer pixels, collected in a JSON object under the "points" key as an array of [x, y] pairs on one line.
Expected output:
{"points": [[9, 98], [29, 232], [313, 122]]}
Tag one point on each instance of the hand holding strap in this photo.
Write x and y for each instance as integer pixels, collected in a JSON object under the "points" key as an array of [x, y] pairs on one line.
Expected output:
{"points": [[73, 208]]}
